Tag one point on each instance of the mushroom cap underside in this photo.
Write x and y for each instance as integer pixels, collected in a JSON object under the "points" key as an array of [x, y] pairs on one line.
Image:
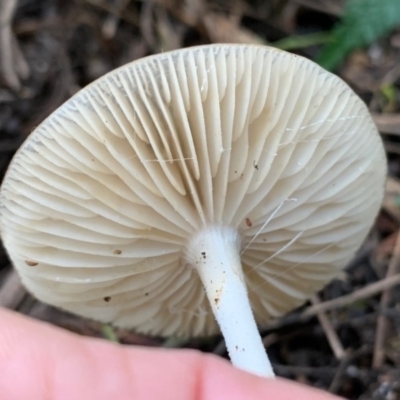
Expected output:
{"points": [[98, 204]]}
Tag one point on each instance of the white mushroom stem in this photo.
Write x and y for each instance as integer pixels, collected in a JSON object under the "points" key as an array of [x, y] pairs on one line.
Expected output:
{"points": [[214, 252]]}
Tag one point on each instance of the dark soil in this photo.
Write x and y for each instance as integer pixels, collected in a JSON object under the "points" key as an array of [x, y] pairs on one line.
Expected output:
{"points": [[61, 46]]}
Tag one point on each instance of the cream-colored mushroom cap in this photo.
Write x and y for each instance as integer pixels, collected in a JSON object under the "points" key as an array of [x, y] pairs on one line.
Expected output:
{"points": [[98, 205]]}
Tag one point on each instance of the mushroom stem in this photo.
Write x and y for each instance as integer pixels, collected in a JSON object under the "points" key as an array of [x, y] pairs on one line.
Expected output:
{"points": [[214, 252]]}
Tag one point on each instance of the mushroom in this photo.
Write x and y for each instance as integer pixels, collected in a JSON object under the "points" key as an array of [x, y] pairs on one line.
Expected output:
{"points": [[242, 170]]}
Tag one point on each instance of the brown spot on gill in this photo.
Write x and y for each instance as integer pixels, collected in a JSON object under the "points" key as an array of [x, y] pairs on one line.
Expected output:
{"points": [[31, 263], [249, 223], [218, 295], [117, 252]]}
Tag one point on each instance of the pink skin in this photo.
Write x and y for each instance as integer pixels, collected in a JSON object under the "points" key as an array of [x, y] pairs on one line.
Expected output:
{"points": [[39, 361]]}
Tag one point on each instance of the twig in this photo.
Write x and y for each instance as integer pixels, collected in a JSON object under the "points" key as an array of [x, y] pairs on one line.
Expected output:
{"points": [[390, 200], [220, 348], [345, 362], [147, 24], [330, 332], [391, 147], [12, 62], [110, 25], [382, 323], [270, 339], [387, 123], [11, 292], [368, 291], [337, 378], [222, 29]]}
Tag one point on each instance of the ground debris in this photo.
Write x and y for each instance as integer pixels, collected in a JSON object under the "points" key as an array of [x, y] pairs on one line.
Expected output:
{"points": [[50, 49]]}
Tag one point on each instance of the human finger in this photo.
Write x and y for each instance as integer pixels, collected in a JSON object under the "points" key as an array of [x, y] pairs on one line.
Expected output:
{"points": [[44, 362]]}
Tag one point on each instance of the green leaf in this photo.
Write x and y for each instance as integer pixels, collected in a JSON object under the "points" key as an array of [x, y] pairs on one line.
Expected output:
{"points": [[109, 333], [389, 91], [363, 22]]}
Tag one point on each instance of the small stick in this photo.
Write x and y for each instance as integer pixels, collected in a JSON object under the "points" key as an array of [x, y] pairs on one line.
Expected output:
{"points": [[330, 332], [387, 123], [344, 363], [367, 291], [12, 62], [382, 323], [111, 23], [220, 348], [337, 379], [11, 292], [309, 312]]}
